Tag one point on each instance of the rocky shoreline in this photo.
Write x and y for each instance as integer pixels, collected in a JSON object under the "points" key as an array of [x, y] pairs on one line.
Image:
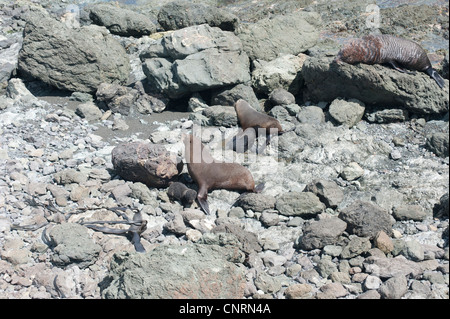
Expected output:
{"points": [[355, 204]]}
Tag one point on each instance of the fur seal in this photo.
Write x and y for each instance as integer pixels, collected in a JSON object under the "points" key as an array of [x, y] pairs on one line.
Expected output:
{"points": [[250, 118], [398, 52], [182, 193], [211, 174]]}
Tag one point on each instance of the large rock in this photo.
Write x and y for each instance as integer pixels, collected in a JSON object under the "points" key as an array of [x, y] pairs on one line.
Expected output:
{"points": [[9, 52], [147, 163], [180, 14], [195, 59], [374, 85], [73, 245], [366, 219], [291, 34], [175, 272], [121, 21], [282, 72], [71, 59], [318, 234], [305, 204]]}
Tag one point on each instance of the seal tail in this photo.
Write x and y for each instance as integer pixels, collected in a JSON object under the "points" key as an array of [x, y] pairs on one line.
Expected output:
{"points": [[434, 75]]}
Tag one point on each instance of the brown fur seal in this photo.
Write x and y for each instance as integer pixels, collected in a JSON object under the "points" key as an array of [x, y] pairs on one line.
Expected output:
{"points": [[262, 123], [249, 117], [182, 193], [210, 174], [398, 52]]}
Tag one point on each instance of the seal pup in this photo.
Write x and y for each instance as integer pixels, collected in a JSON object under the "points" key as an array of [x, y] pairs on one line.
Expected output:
{"points": [[182, 193], [211, 174], [387, 49]]}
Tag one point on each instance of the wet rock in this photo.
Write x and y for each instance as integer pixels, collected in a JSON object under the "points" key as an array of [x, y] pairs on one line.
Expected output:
{"points": [[150, 164], [174, 272], [304, 204], [180, 14], [365, 219], [318, 234], [121, 21], [71, 59], [377, 85], [292, 33], [73, 245]]}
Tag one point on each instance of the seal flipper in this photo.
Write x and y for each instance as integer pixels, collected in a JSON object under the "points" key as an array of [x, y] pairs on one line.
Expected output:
{"points": [[435, 76], [204, 205], [398, 68]]}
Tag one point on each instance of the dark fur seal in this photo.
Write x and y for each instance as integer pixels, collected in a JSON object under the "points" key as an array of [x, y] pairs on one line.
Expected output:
{"points": [[398, 52], [210, 174], [182, 193], [249, 117], [262, 123]]}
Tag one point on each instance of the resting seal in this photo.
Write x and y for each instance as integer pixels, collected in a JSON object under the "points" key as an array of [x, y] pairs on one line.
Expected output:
{"points": [[211, 174], [398, 52]]}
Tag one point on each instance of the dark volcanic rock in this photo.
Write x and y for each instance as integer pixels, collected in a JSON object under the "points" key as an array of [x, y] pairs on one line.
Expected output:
{"points": [[374, 85], [365, 219], [150, 164]]}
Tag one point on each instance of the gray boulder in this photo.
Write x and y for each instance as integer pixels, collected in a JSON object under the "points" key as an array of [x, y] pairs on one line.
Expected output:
{"points": [[346, 112], [9, 52], [304, 204], [195, 59], [71, 59], [121, 21], [365, 219], [281, 72], [150, 164], [318, 234], [437, 142], [374, 85], [328, 192], [292, 33], [72, 244], [219, 115], [256, 201], [175, 272], [180, 14], [228, 96]]}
